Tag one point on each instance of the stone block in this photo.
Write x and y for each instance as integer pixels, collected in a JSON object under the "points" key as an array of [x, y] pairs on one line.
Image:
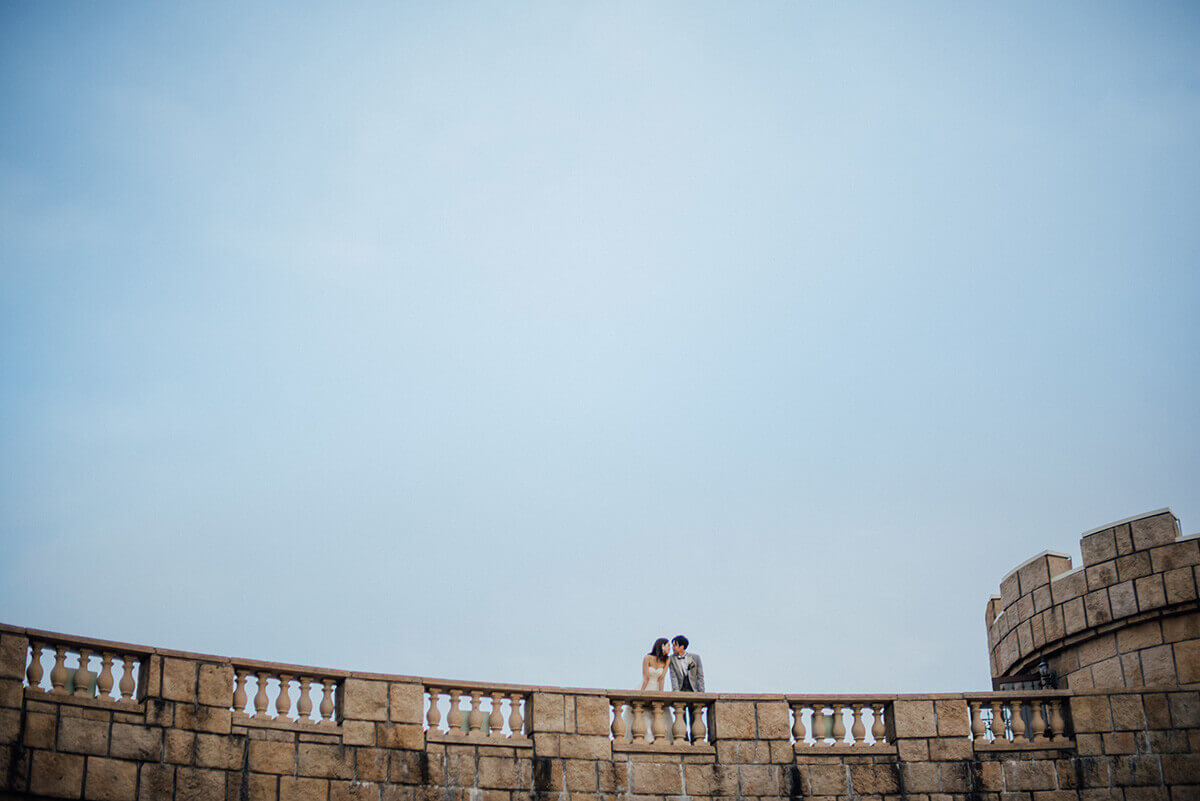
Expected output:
{"points": [[293, 789], [1181, 768], [991, 777], [913, 750], [1150, 592], [919, 777], [651, 778], [14, 656], [179, 680], [1122, 600], [262, 787], [498, 773], [1133, 566], [110, 780], [955, 777], [733, 720], [946, 749], [580, 776], [1184, 553], [1119, 742], [546, 713], [1010, 590], [758, 780], [266, 756], [1097, 649], [1123, 539], [1074, 617], [224, 751], [1158, 665], [1151, 531], [1137, 637], [1181, 627], [406, 701], [914, 719], [874, 779], [1039, 631], [1180, 585], [1131, 771], [1096, 606], [156, 782], [197, 784], [1053, 620], [1187, 661], [370, 764], [1034, 574], [400, 735], [1108, 673], [1031, 774], [1069, 586], [614, 778], [705, 780], [56, 775], [592, 715], [354, 791], [1185, 709], [143, 743], [1101, 576], [83, 736], [1090, 713], [581, 746], [215, 685], [774, 720], [12, 693], [324, 761], [412, 767], [203, 718], [358, 732], [1025, 607], [953, 718], [1127, 712], [180, 746], [364, 700], [1024, 638], [1041, 599], [1098, 547], [41, 730]]}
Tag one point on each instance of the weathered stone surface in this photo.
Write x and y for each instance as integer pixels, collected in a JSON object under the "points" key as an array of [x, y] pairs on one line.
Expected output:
{"points": [[874, 779], [580, 776], [409, 767], [734, 720], [1066, 587], [1185, 709], [1096, 606], [1150, 592], [179, 680], [1158, 665], [1108, 673], [1119, 742], [585, 747], [203, 718], [921, 777], [759, 780], [1122, 599], [41, 730], [1074, 617], [223, 751], [591, 715], [353, 791], [1180, 585], [1091, 713], [358, 732], [406, 701], [197, 784], [1031, 775], [915, 719], [1098, 547], [546, 712], [79, 735], [953, 718], [945, 749], [1133, 566], [324, 761], [110, 780], [156, 782], [272, 757], [1152, 531], [143, 743], [774, 720], [1184, 553], [1101, 575], [293, 789], [1132, 771], [216, 685], [399, 735], [650, 778], [1187, 661], [364, 700]]}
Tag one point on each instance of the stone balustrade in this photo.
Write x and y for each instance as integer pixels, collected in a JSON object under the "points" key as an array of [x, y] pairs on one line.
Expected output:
{"points": [[837, 722], [1024, 720], [474, 711], [660, 720], [80, 669], [263, 693]]}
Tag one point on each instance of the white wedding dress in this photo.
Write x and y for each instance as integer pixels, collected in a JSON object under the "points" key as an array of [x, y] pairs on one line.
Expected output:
{"points": [[655, 673]]}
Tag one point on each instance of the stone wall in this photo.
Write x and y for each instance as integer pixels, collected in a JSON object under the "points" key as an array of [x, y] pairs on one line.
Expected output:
{"points": [[1127, 617], [181, 727]]}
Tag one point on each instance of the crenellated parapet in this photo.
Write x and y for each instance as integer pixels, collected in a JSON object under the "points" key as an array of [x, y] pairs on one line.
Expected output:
{"points": [[1126, 617]]}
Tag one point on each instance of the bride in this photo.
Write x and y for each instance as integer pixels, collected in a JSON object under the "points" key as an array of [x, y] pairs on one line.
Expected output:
{"points": [[654, 666]]}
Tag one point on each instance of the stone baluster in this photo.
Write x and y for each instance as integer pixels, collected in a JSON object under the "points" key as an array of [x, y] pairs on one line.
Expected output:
{"points": [[878, 727], [239, 689], [496, 719], [679, 730], [283, 701], [798, 733], [1058, 726], [516, 724], [858, 732], [433, 718], [454, 716], [637, 721], [658, 726], [975, 713], [83, 677], [104, 682], [260, 697], [475, 717], [304, 702], [818, 724], [996, 724], [618, 724], [34, 672], [1019, 708], [327, 705], [127, 685], [699, 734], [1039, 718], [839, 725], [58, 673]]}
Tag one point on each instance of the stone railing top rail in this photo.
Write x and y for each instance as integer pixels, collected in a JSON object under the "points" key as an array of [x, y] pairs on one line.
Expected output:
{"points": [[50, 637]]}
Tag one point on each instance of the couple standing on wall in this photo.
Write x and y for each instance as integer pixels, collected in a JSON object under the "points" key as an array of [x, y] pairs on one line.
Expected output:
{"points": [[687, 674]]}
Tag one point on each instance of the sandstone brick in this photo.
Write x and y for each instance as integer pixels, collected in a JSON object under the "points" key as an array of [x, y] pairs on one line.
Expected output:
{"points": [[1187, 661], [157, 782], [1181, 768], [79, 735], [110, 780], [1119, 742], [353, 791], [1053, 623], [1024, 637], [197, 784], [1181, 627], [759, 780], [1010, 590], [1127, 712], [991, 777], [1184, 553], [203, 718], [705, 780], [142, 743], [1032, 575], [1136, 770], [406, 702], [1158, 665], [1098, 547], [580, 776], [272, 757], [1134, 566], [1025, 607], [220, 751], [1041, 599], [874, 779], [12, 693], [215, 685], [1122, 599], [1151, 531], [913, 750], [358, 732], [1074, 617], [914, 719], [1150, 592], [734, 720], [953, 718], [547, 713], [399, 735], [591, 715], [1068, 586], [1108, 673], [774, 720], [41, 730], [364, 700], [919, 777], [1131, 666], [585, 747], [1185, 709], [1180, 585], [1037, 627], [410, 767], [179, 680], [1031, 775], [1137, 637], [649, 778], [944, 749], [293, 789], [1091, 713], [1097, 649], [1101, 575], [1096, 606], [955, 777], [498, 773], [180, 746], [324, 761]]}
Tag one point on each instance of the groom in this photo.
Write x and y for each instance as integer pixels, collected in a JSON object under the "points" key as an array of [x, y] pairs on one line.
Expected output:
{"points": [[687, 674]]}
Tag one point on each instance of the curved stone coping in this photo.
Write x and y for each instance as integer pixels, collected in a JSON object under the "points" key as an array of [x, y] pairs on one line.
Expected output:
{"points": [[1133, 519]]}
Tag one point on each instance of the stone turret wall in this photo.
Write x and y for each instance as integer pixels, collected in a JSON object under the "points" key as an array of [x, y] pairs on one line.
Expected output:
{"points": [[1127, 617], [184, 727]]}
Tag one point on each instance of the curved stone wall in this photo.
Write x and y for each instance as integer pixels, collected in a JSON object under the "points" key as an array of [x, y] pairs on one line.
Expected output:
{"points": [[1127, 617]]}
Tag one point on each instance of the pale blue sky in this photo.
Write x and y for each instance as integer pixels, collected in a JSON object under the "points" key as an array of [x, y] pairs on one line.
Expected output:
{"points": [[492, 341]]}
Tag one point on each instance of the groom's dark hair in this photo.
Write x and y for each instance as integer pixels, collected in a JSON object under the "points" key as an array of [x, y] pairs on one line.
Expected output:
{"points": [[679, 638]]}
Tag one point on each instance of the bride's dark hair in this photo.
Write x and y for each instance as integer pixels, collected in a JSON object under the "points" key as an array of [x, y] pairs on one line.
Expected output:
{"points": [[659, 649]]}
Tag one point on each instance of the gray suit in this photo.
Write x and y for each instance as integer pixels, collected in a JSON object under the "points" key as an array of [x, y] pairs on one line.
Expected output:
{"points": [[695, 672]]}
